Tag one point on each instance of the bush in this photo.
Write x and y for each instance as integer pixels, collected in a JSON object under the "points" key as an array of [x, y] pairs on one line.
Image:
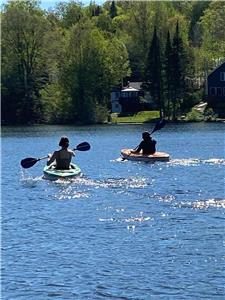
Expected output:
{"points": [[195, 116], [209, 115], [101, 114]]}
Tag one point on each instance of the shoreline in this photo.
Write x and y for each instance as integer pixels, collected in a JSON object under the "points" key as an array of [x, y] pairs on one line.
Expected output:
{"points": [[112, 123]]}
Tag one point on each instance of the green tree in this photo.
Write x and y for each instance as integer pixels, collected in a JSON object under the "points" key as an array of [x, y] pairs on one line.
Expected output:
{"points": [[23, 71], [104, 23], [94, 9], [69, 13], [198, 9], [179, 72], [213, 39], [113, 10], [94, 65], [55, 105], [168, 75], [153, 73], [139, 29]]}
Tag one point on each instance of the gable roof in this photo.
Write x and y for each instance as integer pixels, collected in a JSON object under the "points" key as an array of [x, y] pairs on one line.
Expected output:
{"points": [[218, 67]]}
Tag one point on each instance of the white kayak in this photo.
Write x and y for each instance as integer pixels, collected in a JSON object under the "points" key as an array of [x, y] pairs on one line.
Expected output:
{"points": [[51, 173], [157, 156]]}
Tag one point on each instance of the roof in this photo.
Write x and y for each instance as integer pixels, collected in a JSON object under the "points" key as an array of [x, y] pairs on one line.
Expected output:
{"points": [[129, 89], [219, 66]]}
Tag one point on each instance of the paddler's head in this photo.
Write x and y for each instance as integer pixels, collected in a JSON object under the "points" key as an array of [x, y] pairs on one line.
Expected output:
{"points": [[146, 135], [64, 142]]}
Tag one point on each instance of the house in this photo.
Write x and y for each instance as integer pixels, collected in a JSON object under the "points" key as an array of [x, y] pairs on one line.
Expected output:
{"points": [[216, 90], [126, 99], [115, 104]]}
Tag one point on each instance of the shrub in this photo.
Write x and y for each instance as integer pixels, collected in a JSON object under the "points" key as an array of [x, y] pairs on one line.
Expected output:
{"points": [[209, 115], [195, 116]]}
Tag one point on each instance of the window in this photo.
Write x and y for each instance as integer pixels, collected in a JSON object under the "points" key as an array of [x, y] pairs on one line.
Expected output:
{"points": [[219, 91], [213, 91], [222, 76], [224, 91]]}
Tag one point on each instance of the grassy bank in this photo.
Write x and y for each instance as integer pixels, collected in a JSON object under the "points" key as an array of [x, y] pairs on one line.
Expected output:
{"points": [[140, 117]]}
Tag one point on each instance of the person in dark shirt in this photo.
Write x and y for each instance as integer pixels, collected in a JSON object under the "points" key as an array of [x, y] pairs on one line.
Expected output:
{"points": [[63, 156], [147, 145]]}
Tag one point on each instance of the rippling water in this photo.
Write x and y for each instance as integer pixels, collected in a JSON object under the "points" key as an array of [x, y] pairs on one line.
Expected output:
{"points": [[123, 230]]}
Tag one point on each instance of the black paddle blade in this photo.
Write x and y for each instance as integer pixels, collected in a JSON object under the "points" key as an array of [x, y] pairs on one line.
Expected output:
{"points": [[83, 146], [159, 125], [28, 162]]}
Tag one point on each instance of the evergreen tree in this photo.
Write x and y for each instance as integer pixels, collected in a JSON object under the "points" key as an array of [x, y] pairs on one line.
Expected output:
{"points": [[168, 75], [113, 10], [178, 71], [153, 73]]}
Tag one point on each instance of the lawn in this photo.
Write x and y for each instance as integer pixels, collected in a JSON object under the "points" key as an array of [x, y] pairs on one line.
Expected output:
{"points": [[140, 117]]}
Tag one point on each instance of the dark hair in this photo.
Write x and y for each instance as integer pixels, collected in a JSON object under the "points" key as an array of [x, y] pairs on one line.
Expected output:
{"points": [[64, 141], [146, 135]]}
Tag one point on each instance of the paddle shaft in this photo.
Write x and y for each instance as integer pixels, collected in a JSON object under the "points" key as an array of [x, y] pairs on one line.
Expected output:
{"points": [[159, 125], [44, 157]]}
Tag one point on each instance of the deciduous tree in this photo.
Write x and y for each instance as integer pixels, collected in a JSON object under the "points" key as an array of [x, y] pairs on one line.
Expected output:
{"points": [[23, 27]]}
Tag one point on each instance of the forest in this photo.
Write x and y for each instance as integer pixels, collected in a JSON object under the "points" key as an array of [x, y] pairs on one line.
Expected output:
{"points": [[58, 66]]}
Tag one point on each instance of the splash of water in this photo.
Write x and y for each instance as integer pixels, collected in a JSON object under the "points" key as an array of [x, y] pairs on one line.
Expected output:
{"points": [[205, 204], [130, 182], [132, 219], [201, 204], [196, 161], [29, 181]]}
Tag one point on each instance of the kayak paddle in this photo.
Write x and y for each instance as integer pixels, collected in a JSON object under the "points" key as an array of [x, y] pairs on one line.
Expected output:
{"points": [[82, 147], [159, 125], [30, 161]]}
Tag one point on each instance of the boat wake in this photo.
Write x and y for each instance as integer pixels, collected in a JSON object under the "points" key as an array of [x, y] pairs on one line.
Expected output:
{"points": [[201, 204], [130, 182], [81, 187], [182, 161], [196, 161], [131, 221]]}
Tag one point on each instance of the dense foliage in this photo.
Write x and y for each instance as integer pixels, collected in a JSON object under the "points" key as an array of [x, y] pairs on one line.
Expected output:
{"points": [[59, 66]]}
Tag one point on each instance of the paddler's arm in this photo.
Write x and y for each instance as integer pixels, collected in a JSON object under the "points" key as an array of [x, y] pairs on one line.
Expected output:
{"points": [[137, 149], [52, 158], [72, 152]]}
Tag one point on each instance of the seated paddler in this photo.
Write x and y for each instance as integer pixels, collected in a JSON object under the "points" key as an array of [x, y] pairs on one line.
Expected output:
{"points": [[61, 158], [147, 145]]}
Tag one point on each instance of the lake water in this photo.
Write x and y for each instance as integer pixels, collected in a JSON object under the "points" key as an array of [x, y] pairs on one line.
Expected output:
{"points": [[123, 230]]}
